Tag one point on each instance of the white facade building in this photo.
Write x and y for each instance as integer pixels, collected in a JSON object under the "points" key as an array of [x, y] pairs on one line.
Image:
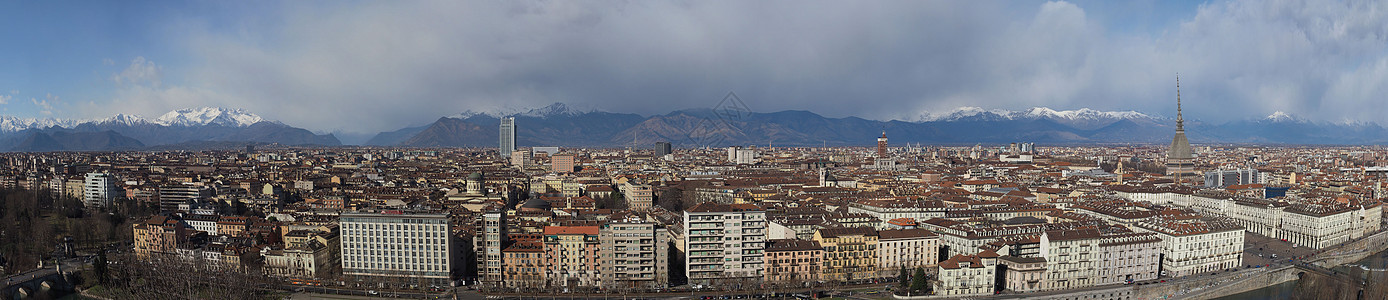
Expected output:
{"points": [[724, 242], [1193, 246], [1307, 222], [908, 248], [100, 190], [400, 245]]}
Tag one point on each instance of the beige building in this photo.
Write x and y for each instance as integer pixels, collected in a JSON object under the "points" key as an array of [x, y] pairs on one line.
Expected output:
{"points": [[572, 256], [160, 235], [793, 263], [634, 253], [1023, 274], [313, 257], [524, 265], [906, 248], [639, 196]]}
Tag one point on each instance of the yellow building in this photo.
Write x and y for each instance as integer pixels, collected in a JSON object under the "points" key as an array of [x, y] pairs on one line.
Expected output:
{"points": [[850, 254]]}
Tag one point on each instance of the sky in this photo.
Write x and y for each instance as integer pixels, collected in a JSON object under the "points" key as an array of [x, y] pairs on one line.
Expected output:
{"points": [[352, 67]]}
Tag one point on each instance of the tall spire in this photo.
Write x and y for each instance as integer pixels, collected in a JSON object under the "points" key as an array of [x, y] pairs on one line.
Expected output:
{"points": [[1180, 122]]}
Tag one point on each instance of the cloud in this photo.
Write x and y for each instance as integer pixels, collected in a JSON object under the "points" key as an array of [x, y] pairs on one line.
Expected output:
{"points": [[5, 99], [377, 66], [44, 106], [140, 71]]}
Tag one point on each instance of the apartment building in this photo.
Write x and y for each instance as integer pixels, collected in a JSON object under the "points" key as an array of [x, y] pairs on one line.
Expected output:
{"points": [[724, 243], [307, 254], [572, 255], [967, 275], [160, 235], [489, 256], [850, 254], [397, 245], [639, 196], [1194, 245], [634, 253], [906, 248], [1128, 257], [524, 265], [792, 262], [100, 190]]}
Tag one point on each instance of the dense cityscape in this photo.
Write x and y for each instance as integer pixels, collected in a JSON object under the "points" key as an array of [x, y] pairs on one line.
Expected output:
{"points": [[694, 150], [912, 221]]}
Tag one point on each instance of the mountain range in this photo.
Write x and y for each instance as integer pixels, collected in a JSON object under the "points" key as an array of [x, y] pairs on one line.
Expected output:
{"points": [[564, 125], [185, 127]]}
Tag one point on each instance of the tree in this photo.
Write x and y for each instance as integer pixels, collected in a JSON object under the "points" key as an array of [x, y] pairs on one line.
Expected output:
{"points": [[99, 265], [618, 199], [904, 278], [918, 282], [670, 199]]}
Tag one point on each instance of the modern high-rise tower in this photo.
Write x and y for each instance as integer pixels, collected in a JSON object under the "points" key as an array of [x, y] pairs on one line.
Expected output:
{"points": [[662, 148], [508, 136], [1179, 161], [882, 145]]}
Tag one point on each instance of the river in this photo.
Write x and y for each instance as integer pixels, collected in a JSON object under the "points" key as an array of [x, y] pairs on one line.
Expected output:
{"points": [[1285, 290]]}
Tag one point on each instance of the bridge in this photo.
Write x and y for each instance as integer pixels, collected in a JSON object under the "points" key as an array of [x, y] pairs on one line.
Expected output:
{"points": [[47, 282]]}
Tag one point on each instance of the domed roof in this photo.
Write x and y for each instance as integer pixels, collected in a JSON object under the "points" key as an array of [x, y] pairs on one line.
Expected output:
{"points": [[475, 176]]}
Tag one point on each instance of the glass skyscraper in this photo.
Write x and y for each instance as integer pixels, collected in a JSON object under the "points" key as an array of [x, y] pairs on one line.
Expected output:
{"points": [[508, 136]]}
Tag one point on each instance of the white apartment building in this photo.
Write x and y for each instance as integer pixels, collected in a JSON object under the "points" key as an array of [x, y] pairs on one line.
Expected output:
{"points": [[967, 275], [204, 223], [100, 190], [1071, 258], [1128, 257], [489, 250], [908, 248], [892, 210], [1193, 246], [724, 243], [392, 244], [1307, 222]]}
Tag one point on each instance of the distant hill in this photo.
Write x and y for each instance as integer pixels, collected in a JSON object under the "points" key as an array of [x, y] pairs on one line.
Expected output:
{"points": [[560, 125], [40, 141], [177, 127]]}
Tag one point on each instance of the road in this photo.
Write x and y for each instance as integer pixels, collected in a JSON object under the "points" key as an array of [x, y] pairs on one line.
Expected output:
{"points": [[27, 276]]}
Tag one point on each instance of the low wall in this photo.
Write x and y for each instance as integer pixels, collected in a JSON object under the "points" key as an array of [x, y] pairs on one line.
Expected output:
{"points": [[1352, 251], [1234, 285]]}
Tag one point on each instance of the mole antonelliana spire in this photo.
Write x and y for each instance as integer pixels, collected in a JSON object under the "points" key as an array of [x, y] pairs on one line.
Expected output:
{"points": [[1179, 161]]}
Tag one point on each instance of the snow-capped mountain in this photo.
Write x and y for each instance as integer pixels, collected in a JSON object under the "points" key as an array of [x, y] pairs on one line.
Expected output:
{"points": [[556, 109], [195, 127], [494, 113], [559, 109], [1279, 116], [1083, 113], [124, 119], [208, 115], [14, 124], [981, 114]]}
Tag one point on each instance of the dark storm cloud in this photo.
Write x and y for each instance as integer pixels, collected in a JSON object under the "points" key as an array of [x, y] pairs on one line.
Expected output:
{"points": [[384, 65]]}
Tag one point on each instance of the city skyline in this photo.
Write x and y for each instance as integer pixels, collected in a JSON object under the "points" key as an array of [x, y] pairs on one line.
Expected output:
{"points": [[388, 66]]}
